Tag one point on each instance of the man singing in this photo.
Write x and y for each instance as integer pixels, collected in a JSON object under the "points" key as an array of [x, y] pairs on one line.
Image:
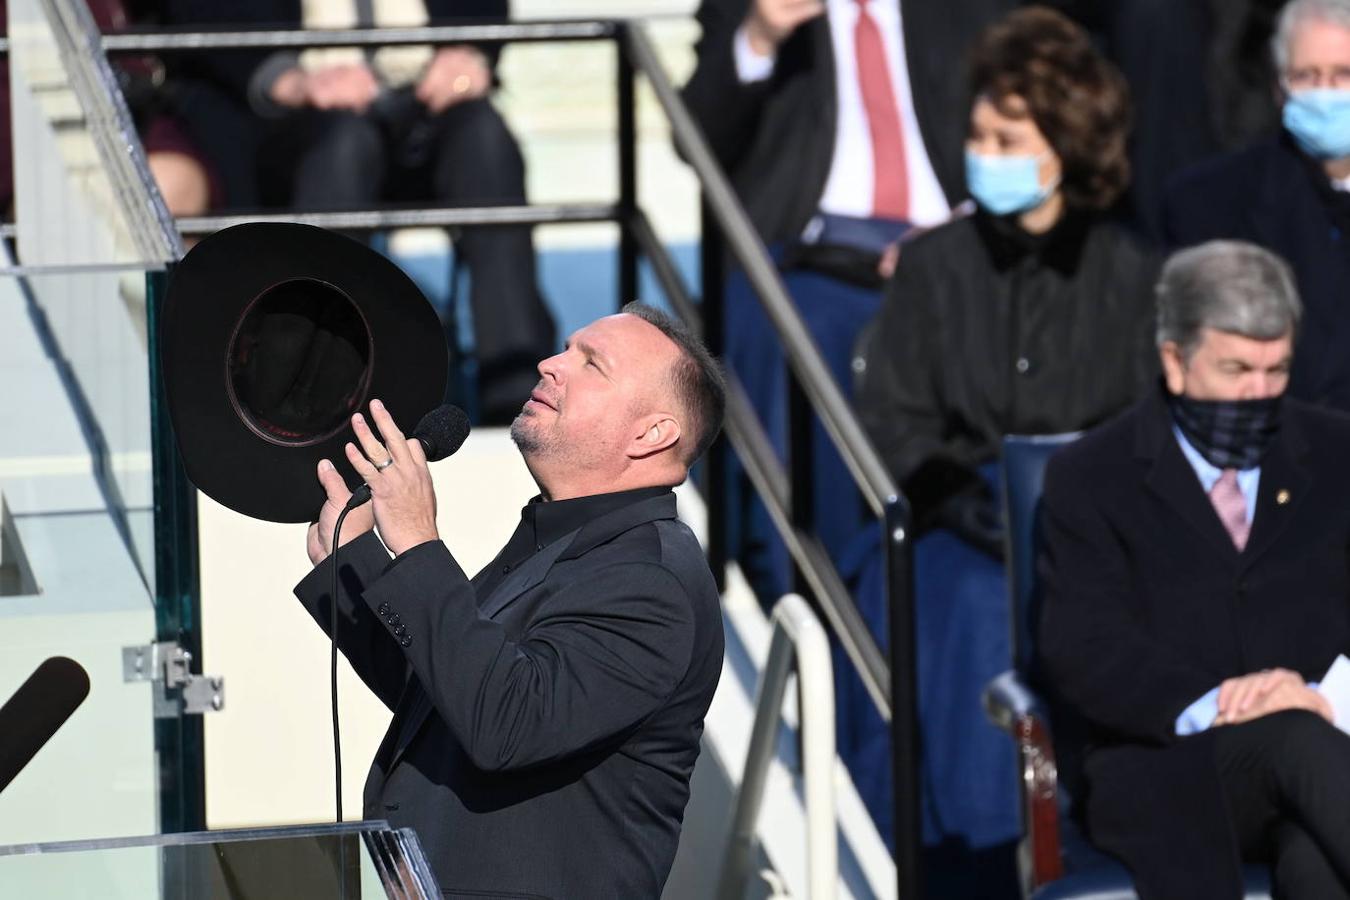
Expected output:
{"points": [[547, 712]]}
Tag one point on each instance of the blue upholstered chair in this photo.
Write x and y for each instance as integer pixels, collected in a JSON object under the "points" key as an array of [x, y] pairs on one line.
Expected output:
{"points": [[1055, 861]]}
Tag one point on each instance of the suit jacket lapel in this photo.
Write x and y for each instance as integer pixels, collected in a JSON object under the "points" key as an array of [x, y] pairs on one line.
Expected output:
{"points": [[1284, 484], [527, 575], [1173, 480]]}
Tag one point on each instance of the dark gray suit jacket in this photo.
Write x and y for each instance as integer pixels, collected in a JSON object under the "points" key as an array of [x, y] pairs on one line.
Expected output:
{"points": [[544, 734]]}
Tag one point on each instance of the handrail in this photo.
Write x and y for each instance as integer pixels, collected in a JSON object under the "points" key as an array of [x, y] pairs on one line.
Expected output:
{"points": [[797, 637], [766, 473], [869, 472], [803, 355], [438, 217], [91, 78], [177, 40]]}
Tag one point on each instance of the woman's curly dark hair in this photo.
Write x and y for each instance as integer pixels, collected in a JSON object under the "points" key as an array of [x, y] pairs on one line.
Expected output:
{"points": [[1077, 99]]}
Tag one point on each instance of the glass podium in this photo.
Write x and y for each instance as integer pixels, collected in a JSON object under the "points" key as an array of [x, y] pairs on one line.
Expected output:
{"points": [[351, 861]]}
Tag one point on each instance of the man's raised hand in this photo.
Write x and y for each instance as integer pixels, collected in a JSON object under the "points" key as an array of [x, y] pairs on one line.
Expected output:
{"points": [[770, 22], [402, 496]]}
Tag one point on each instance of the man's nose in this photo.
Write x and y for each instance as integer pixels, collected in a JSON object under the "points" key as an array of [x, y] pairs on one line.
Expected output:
{"points": [[551, 367], [1260, 386]]}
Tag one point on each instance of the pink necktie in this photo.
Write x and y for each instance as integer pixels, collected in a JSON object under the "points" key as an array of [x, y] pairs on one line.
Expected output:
{"points": [[1231, 507], [890, 194]]}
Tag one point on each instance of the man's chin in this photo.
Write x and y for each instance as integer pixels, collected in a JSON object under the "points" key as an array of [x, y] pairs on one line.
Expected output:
{"points": [[521, 434]]}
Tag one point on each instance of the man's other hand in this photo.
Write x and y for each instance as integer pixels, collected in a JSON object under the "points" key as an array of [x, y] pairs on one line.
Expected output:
{"points": [[1263, 693], [770, 22], [357, 523], [456, 74], [342, 87], [291, 89]]}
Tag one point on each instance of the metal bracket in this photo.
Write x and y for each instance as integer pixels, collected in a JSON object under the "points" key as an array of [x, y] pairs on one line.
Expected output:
{"points": [[177, 691]]}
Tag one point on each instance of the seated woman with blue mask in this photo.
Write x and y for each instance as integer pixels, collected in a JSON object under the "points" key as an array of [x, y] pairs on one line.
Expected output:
{"points": [[1031, 315]]}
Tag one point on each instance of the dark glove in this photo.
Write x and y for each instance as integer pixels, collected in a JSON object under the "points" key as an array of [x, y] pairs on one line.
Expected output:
{"points": [[974, 517]]}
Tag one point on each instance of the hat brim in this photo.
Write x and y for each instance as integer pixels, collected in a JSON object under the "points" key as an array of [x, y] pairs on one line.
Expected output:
{"points": [[210, 291]]}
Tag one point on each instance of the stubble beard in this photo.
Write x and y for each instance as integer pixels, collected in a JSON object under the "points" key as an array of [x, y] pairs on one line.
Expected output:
{"points": [[527, 439]]}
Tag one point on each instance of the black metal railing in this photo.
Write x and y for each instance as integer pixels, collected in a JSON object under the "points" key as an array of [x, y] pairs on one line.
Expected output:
{"points": [[726, 231]]}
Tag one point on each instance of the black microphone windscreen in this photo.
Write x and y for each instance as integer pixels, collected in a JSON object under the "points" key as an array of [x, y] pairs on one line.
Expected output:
{"points": [[442, 431], [37, 710]]}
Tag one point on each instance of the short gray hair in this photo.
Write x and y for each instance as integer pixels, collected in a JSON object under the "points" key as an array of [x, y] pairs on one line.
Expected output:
{"points": [[1230, 286], [1335, 12]]}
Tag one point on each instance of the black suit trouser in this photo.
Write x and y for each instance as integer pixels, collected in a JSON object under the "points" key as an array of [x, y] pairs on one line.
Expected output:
{"points": [[1286, 781]]}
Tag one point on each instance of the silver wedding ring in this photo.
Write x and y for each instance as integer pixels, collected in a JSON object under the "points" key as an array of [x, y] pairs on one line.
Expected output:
{"points": [[381, 466]]}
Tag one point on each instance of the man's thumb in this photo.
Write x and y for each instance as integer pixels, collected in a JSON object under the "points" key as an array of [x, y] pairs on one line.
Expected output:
{"points": [[332, 482]]}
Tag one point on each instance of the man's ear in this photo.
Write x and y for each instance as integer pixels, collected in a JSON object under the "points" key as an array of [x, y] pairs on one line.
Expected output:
{"points": [[1173, 366], [653, 433]]}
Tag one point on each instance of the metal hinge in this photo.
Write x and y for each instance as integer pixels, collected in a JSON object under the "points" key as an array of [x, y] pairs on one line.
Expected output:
{"points": [[177, 691]]}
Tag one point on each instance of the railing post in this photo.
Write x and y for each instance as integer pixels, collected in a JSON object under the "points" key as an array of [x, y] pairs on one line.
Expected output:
{"points": [[899, 555], [801, 469], [712, 277], [180, 743], [627, 136], [799, 638]]}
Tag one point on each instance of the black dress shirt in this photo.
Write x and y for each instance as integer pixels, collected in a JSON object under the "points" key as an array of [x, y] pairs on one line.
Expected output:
{"points": [[544, 521]]}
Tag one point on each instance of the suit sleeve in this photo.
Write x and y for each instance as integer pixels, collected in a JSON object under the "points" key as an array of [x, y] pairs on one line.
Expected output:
{"points": [[362, 637], [608, 651], [727, 110], [1095, 652]]}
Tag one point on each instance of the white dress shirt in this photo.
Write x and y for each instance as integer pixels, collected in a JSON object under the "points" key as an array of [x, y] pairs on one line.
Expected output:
{"points": [[849, 187]]}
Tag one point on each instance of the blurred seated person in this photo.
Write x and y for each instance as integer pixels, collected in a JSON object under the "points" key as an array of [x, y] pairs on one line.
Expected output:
{"points": [[185, 175], [1195, 578], [354, 127], [1033, 315], [840, 125], [1289, 194]]}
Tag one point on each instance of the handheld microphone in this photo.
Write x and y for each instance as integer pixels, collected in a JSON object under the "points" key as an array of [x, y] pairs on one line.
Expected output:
{"points": [[441, 432], [38, 709]]}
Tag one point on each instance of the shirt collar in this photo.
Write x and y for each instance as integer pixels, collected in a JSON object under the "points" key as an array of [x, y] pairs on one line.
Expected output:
{"points": [[553, 519], [1206, 471]]}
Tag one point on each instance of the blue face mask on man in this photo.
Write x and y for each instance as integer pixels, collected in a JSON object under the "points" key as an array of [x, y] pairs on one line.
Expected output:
{"points": [[1004, 185], [1319, 120]]}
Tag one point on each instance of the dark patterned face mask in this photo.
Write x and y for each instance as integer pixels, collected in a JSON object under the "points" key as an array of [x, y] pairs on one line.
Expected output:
{"points": [[1230, 434]]}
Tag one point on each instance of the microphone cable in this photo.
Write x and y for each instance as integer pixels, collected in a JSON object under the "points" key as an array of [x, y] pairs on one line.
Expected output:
{"points": [[441, 431], [363, 493]]}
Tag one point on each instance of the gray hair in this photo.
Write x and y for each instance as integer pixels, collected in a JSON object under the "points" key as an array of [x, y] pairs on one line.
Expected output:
{"points": [[1335, 12], [1230, 286]]}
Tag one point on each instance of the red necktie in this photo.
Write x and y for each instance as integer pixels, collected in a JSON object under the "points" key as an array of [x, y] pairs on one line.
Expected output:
{"points": [[1231, 507], [890, 195]]}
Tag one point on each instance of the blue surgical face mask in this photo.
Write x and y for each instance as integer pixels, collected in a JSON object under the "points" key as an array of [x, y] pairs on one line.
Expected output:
{"points": [[1319, 120], [1007, 184]]}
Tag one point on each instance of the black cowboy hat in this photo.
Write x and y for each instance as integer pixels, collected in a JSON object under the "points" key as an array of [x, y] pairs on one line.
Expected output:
{"points": [[272, 335]]}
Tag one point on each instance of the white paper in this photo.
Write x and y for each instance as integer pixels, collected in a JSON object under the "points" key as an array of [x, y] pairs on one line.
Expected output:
{"points": [[1335, 686]]}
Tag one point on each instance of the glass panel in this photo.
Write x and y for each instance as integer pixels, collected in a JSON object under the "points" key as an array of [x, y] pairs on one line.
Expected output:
{"points": [[75, 489], [76, 469], [320, 862]]}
